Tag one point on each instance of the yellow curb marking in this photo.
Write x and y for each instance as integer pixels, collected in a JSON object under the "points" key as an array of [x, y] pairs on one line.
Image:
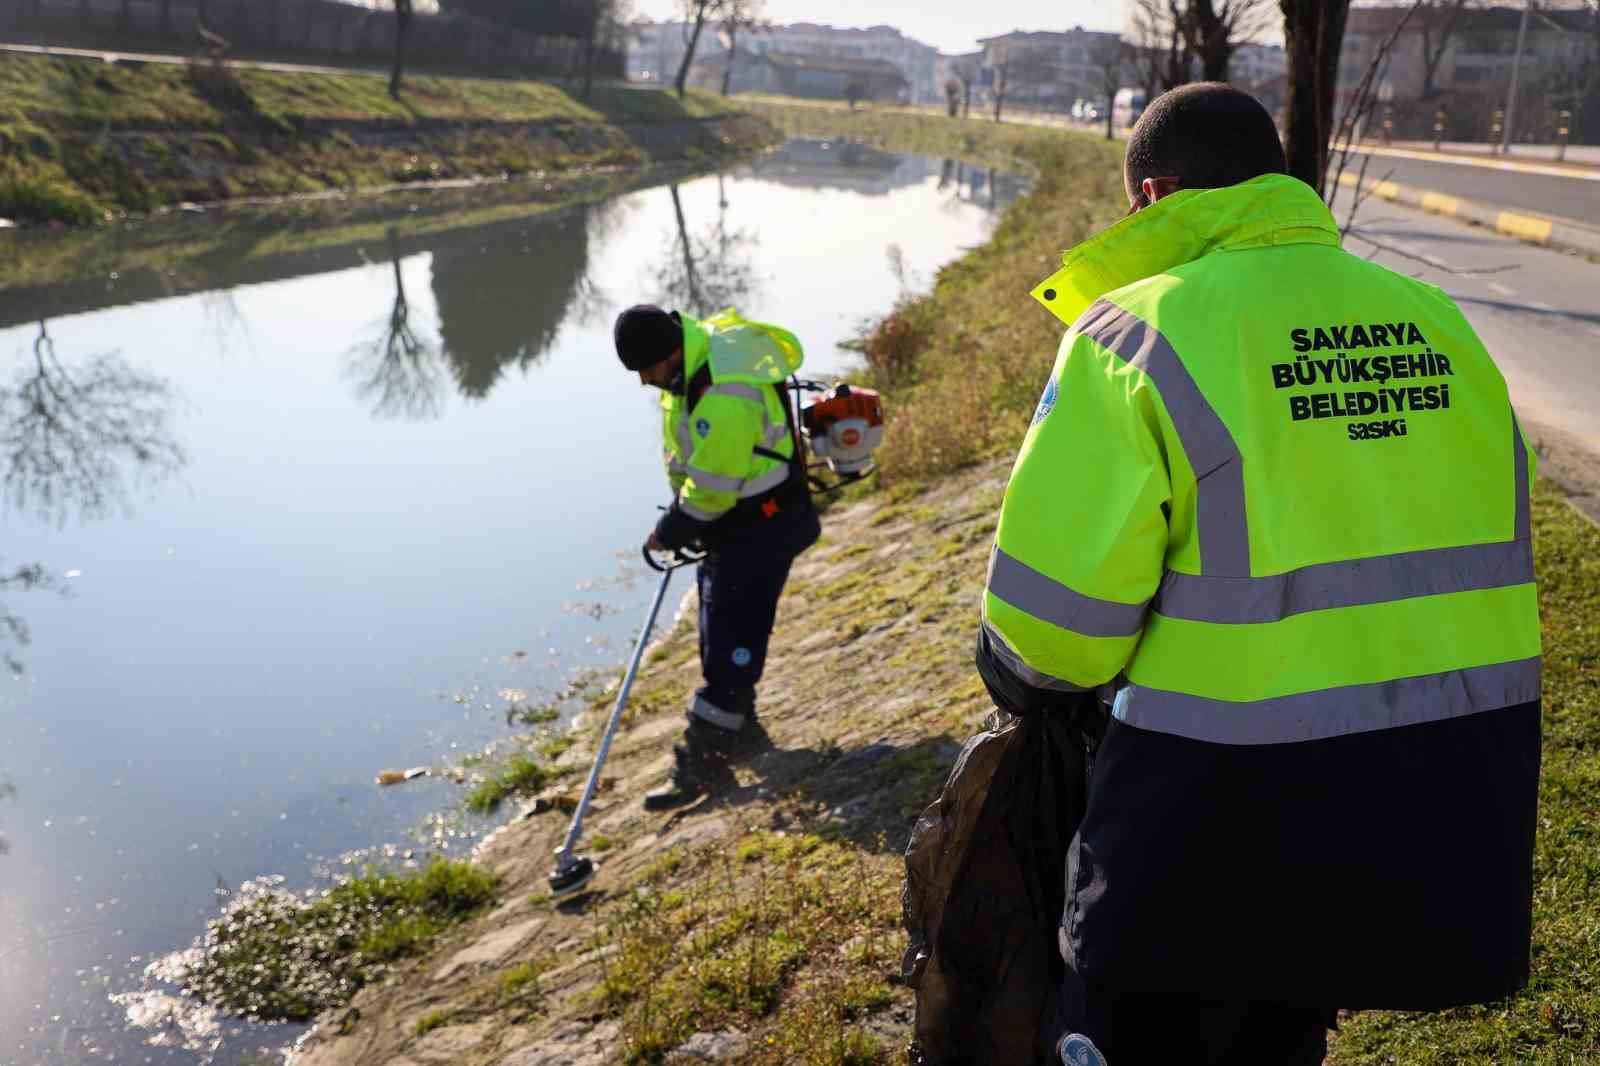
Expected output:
{"points": [[1523, 227], [1387, 189], [1439, 203]]}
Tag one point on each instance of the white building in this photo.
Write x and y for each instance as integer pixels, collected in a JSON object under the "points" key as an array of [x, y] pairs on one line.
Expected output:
{"points": [[1049, 70], [655, 50]]}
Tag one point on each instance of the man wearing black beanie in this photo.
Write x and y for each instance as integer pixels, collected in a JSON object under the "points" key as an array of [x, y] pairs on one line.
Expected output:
{"points": [[737, 472]]}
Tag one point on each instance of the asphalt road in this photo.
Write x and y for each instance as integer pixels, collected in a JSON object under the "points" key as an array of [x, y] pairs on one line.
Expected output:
{"points": [[1577, 199], [1535, 309]]}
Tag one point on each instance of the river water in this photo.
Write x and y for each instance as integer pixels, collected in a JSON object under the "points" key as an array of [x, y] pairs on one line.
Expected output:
{"points": [[311, 508]]}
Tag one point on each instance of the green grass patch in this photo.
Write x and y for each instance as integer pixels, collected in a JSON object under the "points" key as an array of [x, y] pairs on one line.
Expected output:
{"points": [[134, 137], [282, 957], [44, 193], [437, 1019], [521, 714], [1556, 1020], [519, 993], [521, 775], [553, 747], [91, 94], [722, 938]]}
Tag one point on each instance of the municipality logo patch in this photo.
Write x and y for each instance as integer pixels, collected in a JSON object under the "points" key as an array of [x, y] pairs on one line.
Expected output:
{"points": [[1047, 402], [1078, 1050], [703, 427], [741, 656]]}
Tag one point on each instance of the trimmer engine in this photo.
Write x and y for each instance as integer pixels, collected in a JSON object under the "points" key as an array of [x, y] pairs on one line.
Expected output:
{"points": [[845, 426]]}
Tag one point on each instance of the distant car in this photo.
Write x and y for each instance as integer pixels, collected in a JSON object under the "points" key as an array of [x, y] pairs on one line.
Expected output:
{"points": [[1128, 105], [1091, 113]]}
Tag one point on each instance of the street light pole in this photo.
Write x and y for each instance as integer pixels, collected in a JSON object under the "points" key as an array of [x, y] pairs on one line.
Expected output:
{"points": [[1511, 93]]}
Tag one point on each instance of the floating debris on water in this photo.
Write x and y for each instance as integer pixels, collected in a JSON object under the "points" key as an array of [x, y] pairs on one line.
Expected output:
{"points": [[395, 777]]}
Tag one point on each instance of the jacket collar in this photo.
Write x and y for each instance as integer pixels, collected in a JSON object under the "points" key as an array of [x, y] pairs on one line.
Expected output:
{"points": [[1180, 228], [696, 344]]}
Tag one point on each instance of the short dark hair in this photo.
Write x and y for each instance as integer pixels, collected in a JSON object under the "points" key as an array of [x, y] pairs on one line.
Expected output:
{"points": [[645, 335], [1206, 134]]}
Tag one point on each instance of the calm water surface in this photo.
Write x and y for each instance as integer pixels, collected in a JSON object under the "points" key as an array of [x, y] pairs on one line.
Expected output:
{"points": [[333, 513]]}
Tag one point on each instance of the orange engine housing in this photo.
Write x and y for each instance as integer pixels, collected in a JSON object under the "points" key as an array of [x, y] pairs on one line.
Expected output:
{"points": [[845, 426]]}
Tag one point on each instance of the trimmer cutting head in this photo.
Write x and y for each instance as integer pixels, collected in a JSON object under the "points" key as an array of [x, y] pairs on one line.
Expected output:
{"points": [[571, 876]]}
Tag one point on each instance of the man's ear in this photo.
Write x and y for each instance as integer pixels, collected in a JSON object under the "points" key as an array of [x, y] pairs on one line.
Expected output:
{"points": [[1155, 188]]}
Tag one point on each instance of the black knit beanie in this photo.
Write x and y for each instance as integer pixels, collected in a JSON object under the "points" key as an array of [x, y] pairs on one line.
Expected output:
{"points": [[645, 335]]}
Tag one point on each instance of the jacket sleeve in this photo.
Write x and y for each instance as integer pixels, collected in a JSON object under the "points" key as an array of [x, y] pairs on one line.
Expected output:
{"points": [[726, 427], [1082, 538]]}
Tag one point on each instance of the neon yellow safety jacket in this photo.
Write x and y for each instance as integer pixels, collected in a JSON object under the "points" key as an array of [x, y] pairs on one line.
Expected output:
{"points": [[1303, 518], [726, 438]]}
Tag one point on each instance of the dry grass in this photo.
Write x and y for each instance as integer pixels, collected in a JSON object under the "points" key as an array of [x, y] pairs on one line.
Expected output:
{"points": [[962, 367]]}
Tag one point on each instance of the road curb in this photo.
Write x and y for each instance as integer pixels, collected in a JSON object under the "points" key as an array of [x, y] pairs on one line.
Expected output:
{"points": [[1548, 231]]}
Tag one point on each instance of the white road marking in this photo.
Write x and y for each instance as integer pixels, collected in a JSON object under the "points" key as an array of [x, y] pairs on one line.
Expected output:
{"points": [[1503, 290]]}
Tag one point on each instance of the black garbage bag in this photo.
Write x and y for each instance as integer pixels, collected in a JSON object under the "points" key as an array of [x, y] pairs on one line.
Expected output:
{"points": [[985, 884]]}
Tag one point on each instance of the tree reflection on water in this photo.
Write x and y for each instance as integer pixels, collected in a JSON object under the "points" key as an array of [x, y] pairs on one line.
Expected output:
{"points": [[7, 790], [398, 371], [69, 439], [706, 270], [503, 299], [68, 434]]}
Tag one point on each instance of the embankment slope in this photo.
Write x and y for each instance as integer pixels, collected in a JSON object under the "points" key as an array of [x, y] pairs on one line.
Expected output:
{"points": [[82, 140], [761, 926]]}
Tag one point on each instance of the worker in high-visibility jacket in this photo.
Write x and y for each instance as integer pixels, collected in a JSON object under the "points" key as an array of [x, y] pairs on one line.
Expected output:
{"points": [[738, 477], [1276, 500]]}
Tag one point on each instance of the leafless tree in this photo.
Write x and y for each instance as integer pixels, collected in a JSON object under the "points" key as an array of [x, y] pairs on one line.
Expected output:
{"points": [[397, 370], [1358, 110], [1108, 59], [1313, 32], [1161, 44], [1436, 22], [402, 30], [68, 434], [965, 71], [696, 13], [738, 17], [602, 25], [1217, 27], [1018, 67]]}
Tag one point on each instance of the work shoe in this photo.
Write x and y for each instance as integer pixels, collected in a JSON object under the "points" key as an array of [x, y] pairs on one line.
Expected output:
{"points": [[694, 771], [724, 721]]}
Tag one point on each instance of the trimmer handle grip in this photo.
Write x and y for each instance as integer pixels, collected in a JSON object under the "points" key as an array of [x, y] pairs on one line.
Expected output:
{"points": [[677, 558]]}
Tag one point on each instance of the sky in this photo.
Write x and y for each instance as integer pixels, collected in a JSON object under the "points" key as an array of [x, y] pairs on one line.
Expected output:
{"points": [[949, 25]]}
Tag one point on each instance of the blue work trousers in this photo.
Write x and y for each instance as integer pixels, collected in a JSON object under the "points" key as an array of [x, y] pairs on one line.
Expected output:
{"points": [[739, 590]]}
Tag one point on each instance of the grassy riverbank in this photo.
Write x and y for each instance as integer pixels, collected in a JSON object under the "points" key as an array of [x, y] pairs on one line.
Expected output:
{"points": [[85, 140], [762, 925]]}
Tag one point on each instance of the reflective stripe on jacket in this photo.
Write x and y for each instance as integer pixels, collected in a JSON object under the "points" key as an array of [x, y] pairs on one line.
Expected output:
{"points": [[1299, 520], [710, 448]]}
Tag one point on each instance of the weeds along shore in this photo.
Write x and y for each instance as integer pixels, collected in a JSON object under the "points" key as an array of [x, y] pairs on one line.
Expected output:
{"points": [[763, 925]]}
